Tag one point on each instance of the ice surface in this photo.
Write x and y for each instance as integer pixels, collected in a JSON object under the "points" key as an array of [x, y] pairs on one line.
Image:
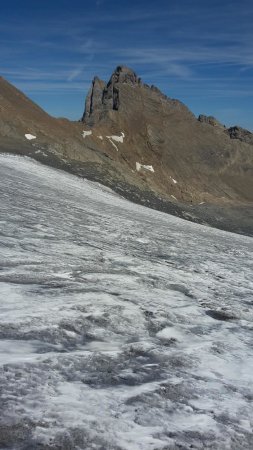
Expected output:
{"points": [[120, 327]]}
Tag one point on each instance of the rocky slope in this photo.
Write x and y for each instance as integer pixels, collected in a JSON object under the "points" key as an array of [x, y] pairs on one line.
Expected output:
{"points": [[144, 145]]}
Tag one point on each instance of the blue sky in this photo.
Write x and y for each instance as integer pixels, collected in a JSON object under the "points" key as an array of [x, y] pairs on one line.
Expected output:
{"points": [[198, 51]]}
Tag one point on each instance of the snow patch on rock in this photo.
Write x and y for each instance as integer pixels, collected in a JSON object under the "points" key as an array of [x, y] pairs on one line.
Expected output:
{"points": [[173, 179], [144, 167], [117, 138], [30, 137], [114, 145], [86, 133]]}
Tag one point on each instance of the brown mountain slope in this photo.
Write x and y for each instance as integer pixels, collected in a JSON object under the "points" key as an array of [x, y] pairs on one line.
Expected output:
{"points": [[20, 116], [57, 141], [147, 147]]}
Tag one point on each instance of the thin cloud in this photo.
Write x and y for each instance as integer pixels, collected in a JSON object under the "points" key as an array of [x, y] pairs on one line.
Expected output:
{"points": [[74, 74], [52, 87]]}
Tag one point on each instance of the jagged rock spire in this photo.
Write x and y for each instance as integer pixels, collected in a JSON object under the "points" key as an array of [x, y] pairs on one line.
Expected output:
{"points": [[123, 74], [104, 97], [94, 98]]}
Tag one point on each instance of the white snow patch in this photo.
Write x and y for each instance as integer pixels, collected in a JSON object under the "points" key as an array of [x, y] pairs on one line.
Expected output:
{"points": [[114, 145], [30, 137], [100, 137], [201, 203], [117, 138], [143, 166], [173, 179], [173, 196], [86, 133]]}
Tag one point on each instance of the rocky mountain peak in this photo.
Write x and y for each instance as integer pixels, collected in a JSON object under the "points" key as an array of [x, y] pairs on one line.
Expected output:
{"points": [[126, 93], [103, 97], [123, 74]]}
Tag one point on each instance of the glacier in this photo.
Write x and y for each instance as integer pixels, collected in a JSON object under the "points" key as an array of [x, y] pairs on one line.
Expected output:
{"points": [[121, 327]]}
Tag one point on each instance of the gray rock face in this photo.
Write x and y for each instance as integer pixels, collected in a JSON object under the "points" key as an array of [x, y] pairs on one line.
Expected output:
{"points": [[94, 99], [104, 97], [116, 95], [123, 74], [241, 134]]}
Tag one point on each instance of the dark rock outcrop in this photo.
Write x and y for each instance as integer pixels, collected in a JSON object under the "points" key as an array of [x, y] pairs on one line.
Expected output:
{"points": [[233, 132], [105, 97], [241, 134], [210, 120]]}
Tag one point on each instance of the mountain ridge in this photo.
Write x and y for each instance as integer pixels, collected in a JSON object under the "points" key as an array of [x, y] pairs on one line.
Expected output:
{"points": [[144, 145], [157, 126]]}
